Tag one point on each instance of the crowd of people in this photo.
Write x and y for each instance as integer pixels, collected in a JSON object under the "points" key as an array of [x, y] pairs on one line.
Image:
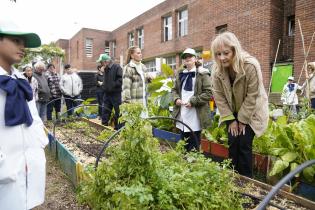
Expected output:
{"points": [[30, 98], [49, 88]]}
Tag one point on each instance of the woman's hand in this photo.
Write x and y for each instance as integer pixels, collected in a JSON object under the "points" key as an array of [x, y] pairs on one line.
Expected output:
{"points": [[233, 128], [178, 102], [241, 128], [188, 105]]}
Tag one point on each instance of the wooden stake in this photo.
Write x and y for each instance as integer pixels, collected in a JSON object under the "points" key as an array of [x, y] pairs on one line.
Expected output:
{"points": [[273, 66]]}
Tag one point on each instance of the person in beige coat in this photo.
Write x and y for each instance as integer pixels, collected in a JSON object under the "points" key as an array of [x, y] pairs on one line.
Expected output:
{"points": [[240, 97], [309, 85]]}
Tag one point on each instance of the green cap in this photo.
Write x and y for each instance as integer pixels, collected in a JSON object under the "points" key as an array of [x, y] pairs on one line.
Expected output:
{"points": [[9, 29], [103, 57]]}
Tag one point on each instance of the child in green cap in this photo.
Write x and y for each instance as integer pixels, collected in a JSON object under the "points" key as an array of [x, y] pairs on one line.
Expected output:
{"points": [[22, 142]]}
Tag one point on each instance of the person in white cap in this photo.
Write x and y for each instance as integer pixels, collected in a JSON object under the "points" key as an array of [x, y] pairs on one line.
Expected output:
{"points": [[22, 141], [191, 94], [289, 97]]}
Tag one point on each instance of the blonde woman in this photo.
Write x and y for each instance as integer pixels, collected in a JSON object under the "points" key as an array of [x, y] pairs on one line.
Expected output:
{"points": [[134, 78], [240, 97]]}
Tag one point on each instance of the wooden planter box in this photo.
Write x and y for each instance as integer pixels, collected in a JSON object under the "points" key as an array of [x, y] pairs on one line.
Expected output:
{"points": [[261, 163], [219, 150], [205, 145], [166, 135], [68, 162]]}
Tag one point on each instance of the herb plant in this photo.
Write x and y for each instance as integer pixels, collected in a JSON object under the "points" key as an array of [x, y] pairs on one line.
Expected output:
{"points": [[137, 175]]}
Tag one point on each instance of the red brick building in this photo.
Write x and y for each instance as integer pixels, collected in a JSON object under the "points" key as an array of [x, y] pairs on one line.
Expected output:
{"points": [[168, 28]]}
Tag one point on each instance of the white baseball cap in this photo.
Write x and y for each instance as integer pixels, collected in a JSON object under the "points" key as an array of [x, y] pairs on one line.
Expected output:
{"points": [[291, 78], [189, 51]]}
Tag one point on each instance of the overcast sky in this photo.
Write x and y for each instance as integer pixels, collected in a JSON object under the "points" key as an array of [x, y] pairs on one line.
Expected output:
{"points": [[54, 19]]}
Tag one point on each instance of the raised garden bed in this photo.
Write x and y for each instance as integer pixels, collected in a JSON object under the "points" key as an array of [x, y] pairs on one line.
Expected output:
{"points": [[73, 163]]}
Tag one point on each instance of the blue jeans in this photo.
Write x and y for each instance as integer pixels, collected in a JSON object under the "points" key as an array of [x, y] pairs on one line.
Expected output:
{"points": [[42, 109]]}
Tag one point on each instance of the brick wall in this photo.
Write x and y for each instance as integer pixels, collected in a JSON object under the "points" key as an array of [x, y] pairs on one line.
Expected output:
{"points": [[75, 48], [287, 41], [305, 12], [258, 25]]}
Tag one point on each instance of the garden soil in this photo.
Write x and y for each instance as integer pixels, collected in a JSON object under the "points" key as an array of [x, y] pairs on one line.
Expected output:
{"points": [[60, 193]]}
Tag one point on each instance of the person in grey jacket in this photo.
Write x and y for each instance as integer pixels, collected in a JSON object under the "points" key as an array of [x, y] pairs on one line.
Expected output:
{"points": [[43, 90], [71, 87]]}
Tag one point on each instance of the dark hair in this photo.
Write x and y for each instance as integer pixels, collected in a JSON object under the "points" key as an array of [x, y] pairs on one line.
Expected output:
{"points": [[67, 66], [99, 67], [50, 65]]}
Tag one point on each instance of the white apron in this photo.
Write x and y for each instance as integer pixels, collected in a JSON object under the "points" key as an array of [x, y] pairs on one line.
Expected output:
{"points": [[21, 146]]}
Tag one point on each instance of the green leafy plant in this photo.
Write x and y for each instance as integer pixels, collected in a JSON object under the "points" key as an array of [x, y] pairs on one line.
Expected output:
{"points": [[138, 176], [215, 132], [292, 144], [161, 98], [87, 110]]}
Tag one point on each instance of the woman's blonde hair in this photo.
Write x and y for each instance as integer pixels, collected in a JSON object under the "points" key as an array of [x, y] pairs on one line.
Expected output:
{"points": [[130, 51], [229, 39], [311, 65]]}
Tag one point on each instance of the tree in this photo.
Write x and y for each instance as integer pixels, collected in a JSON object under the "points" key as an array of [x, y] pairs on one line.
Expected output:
{"points": [[46, 53]]}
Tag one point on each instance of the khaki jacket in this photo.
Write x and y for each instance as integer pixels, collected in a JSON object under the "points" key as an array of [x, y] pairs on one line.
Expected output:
{"points": [[201, 98], [250, 98], [309, 90]]}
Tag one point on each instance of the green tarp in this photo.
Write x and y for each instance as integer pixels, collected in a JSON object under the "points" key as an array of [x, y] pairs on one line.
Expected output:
{"points": [[280, 75]]}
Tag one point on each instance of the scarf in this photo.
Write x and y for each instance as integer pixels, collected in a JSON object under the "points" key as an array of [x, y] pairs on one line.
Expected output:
{"points": [[189, 76], [291, 87], [16, 108]]}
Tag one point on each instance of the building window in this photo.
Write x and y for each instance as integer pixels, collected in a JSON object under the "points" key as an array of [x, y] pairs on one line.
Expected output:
{"points": [[171, 61], [220, 29], [131, 39], [107, 48], [113, 49], [151, 65], [140, 38], [89, 47], [167, 28], [291, 25], [183, 22]]}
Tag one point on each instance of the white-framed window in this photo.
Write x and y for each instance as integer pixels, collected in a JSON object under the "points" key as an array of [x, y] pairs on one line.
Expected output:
{"points": [[107, 48], [151, 65], [131, 39], [140, 32], [171, 61], [182, 22], [291, 25], [113, 49], [167, 28], [89, 47]]}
